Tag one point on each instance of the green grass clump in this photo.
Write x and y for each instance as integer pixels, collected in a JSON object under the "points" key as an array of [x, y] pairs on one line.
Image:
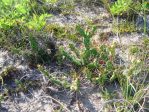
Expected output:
{"points": [[133, 79], [124, 27]]}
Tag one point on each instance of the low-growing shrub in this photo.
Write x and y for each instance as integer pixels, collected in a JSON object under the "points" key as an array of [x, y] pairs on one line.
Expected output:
{"points": [[92, 58]]}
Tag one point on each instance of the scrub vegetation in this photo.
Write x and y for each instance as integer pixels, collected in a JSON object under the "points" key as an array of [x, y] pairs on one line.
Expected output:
{"points": [[69, 56]]}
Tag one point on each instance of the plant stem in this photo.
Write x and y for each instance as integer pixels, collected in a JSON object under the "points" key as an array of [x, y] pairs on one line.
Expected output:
{"points": [[144, 11]]}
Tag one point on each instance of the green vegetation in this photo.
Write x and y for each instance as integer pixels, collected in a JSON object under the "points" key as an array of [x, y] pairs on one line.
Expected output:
{"points": [[61, 32], [24, 31], [92, 58], [124, 27], [121, 6], [129, 8]]}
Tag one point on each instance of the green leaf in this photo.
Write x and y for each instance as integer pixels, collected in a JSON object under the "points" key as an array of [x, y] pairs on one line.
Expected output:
{"points": [[33, 44], [129, 90], [21, 9], [44, 71], [73, 48], [37, 22], [86, 55], [72, 58], [146, 5], [86, 37], [109, 65], [94, 52], [52, 1], [81, 31], [92, 65], [7, 2]]}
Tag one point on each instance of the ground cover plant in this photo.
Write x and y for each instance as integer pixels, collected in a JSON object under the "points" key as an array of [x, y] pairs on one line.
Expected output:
{"points": [[99, 52]]}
